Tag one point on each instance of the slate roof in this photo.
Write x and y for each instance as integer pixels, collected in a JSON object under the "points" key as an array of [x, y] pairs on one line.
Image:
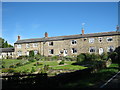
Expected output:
{"points": [[67, 37], [11, 49]]}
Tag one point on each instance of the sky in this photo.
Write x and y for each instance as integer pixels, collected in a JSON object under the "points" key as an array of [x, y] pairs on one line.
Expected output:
{"points": [[33, 19]]}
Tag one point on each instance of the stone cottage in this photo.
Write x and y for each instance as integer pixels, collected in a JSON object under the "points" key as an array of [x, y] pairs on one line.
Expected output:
{"points": [[70, 45]]}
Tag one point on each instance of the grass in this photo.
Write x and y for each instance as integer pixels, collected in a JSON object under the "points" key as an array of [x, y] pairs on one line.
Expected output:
{"points": [[70, 67], [8, 62], [95, 79]]}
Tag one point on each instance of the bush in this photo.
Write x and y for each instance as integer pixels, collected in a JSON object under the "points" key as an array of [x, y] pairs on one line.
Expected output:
{"points": [[95, 57], [62, 62], [104, 56], [12, 66], [113, 56], [38, 64], [37, 57], [81, 57], [32, 70], [31, 53]]}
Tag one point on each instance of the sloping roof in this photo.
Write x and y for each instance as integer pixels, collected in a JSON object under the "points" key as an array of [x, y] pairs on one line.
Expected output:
{"points": [[67, 37], [11, 49]]}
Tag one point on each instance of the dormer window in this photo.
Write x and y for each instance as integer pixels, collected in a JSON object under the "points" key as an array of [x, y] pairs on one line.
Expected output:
{"points": [[74, 42]]}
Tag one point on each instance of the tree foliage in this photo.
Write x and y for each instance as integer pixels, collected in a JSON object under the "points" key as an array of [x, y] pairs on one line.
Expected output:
{"points": [[4, 44]]}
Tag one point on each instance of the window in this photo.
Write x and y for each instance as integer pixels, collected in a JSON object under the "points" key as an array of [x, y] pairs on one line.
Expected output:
{"points": [[100, 39], [50, 43], [51, 51], [91, 40], [74, 42], [18, 46], [19, 53], [35, 52], [84, 39], [27, 45], [35, 44], [110, 49], [109, 39], [65, 51], [92, 49], [74, 50]]}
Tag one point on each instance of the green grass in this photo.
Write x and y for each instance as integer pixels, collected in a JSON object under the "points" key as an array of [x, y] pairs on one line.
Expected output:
{"points": [[70, 67], [8, 62], [94, 79]]}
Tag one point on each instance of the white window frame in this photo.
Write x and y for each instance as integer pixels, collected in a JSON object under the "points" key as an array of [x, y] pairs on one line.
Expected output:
{"points": [[49, 44], [27, 46], [19, 46], [100, 38], [111, 48], [109, 38], [19, 53], [91, 40], [74, 42], [74, 50], [35, 52], [93, 49], [50, 51], [35, 44]]}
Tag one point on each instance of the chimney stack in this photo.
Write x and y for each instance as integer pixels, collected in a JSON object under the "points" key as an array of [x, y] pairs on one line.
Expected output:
{"points": [[46, 34], [82, 31], [18, 37]]}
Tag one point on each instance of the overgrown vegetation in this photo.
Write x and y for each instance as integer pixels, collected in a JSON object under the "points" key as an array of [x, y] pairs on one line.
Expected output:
{"points": [[4, 44]]}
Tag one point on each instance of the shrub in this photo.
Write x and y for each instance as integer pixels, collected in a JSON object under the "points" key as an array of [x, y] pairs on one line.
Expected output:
{"points": [[95, 57], [113, 56], [31, 53], [19, 64], [37, 56], [81, 57], [12, 66], [33, 69], [104, 56], [62, 62]]}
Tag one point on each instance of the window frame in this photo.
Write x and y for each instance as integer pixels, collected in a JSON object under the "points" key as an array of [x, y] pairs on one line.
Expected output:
{"points": [[109, 38], [35, 44], [51, 50], [50, 43], [93, 48], [73, 42], [74, 50], [91, 39]]}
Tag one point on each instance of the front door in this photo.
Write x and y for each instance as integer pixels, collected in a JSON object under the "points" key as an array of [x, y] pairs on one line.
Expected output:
{"points": [[101, 51]]}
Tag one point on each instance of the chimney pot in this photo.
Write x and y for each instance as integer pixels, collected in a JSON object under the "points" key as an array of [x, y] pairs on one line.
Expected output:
{"points": [[18, 37], [82, 31], [46, 34]]}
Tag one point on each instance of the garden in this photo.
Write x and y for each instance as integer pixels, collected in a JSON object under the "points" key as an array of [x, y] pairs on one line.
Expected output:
{"points": [[84, 70]]}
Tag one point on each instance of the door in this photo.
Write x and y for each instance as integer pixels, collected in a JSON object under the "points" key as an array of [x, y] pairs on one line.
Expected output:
{"points": [[101, 51]]}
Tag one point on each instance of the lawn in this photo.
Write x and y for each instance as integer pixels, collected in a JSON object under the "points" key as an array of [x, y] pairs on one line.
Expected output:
{"points": [[70, 67], [52, 64], [8, 62], [94, 79]]}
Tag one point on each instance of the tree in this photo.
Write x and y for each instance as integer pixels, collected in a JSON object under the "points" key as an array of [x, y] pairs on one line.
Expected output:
{"points": [[4, 44]]}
